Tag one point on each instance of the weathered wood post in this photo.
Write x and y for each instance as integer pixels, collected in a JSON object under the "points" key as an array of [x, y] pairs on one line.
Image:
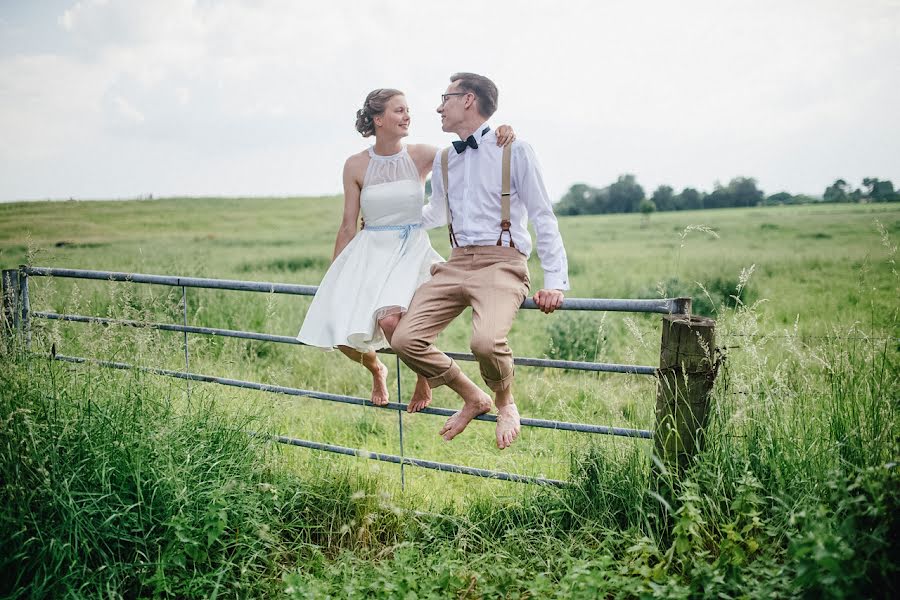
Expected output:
{"points": [[25, 305], [11, 305], [687, 370]]}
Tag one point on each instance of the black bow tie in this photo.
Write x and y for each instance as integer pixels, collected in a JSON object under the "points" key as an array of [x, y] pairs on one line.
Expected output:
{"points": [[461, 145]]}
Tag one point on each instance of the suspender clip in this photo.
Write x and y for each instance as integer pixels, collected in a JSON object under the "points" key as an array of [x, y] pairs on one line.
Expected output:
{"points": [[504, 228]]}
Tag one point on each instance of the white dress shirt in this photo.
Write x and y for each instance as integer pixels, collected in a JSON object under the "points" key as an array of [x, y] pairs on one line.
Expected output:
{"points": [[475, 181]]}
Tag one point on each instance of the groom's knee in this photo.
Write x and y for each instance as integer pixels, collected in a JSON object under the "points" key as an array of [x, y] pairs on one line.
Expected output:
{"points": [[483, 346], [403, 343]]}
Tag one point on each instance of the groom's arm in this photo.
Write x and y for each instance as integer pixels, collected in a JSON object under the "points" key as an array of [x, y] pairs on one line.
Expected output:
{"points": [[532, 191]]}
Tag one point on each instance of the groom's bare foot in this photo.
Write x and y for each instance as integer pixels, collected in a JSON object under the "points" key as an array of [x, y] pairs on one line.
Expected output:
{"points": [[459, 421], [421, 396], [380, 395], [508, 425]]}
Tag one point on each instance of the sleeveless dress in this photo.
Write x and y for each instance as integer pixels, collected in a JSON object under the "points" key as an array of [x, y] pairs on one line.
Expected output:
{"points": [[377, 273]]}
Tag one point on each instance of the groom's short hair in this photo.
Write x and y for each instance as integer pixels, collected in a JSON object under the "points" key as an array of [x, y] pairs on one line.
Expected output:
{"points": [[483, 88]]}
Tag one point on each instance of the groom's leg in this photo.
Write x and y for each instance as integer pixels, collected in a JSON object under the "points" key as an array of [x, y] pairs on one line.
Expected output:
{"points": [[434, 306], [496, 293]]}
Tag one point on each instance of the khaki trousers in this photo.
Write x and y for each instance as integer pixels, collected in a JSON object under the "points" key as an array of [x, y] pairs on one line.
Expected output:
{"points": [[494, 281]]}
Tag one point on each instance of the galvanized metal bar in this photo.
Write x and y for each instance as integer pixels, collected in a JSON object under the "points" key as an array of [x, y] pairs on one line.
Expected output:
{"points": [[283, 339], [220, 284], [400, 424], [265, 337], [569, 364], [418, 462], [278, 389], [655, 305], [662, 306]]}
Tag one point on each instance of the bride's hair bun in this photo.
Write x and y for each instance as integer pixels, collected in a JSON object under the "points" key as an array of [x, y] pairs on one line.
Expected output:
{"points": [[372, 107]]}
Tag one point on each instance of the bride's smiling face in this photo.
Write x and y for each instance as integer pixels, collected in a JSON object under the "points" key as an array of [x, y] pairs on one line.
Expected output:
{"points": [[395, 119]]}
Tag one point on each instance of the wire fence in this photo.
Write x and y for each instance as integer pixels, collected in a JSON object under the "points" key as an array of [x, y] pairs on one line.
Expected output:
{"points": [[16, 286]]}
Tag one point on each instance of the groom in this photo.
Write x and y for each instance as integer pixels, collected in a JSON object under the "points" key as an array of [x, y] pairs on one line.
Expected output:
{"points": [[488, 267]]}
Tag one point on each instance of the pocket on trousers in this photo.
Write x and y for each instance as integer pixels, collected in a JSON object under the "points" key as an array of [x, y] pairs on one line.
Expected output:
{"points": [[526, 276], [512, 275]]}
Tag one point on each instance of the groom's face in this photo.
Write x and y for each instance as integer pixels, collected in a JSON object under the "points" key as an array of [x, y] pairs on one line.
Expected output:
{"points": [[453, 108]]}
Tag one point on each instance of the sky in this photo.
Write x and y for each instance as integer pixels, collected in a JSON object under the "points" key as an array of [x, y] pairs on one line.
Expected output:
{"points": [[103, 99]]}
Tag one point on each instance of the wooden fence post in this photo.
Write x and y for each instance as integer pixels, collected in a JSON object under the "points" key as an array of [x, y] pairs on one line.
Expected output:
{"points": [[687, 370], [11, 306]]}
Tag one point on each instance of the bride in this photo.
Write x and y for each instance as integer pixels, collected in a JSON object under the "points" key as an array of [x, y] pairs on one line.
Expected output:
{"points": [[375, 270]]}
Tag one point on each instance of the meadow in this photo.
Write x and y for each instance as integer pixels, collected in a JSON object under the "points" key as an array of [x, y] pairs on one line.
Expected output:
{"points": [[123, 484]]}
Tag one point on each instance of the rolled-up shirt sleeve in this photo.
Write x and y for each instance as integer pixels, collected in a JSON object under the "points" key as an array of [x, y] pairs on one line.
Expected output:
{"points": [[532, 191], [434, 214]]}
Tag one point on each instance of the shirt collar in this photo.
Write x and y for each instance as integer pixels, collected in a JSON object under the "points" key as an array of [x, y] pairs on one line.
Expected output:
{"points": [[482, 130]]}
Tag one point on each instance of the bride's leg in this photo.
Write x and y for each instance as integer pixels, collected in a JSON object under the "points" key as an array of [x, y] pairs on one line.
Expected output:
{"points": [[422, 394], [379, 371]]}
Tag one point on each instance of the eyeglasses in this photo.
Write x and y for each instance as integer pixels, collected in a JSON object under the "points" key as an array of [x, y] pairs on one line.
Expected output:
{"points": [[445, 96]]}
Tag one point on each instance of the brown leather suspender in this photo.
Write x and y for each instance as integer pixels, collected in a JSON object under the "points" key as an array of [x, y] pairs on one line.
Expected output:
{"points": [[504, 199], [445, 169]]}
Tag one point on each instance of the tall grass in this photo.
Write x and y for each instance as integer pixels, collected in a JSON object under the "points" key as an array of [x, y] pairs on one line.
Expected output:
{"points": [[115, 486]]}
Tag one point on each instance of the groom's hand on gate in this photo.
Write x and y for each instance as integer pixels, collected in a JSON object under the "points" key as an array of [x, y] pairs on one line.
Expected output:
{"points": [[548, 300]]}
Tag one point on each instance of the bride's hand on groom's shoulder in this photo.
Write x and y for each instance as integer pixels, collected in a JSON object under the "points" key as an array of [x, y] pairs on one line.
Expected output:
{"points": [[505, 135]]}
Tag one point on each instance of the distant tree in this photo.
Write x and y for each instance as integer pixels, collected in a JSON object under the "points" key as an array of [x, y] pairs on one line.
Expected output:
{"points": [[836, 192], [870, 183], [779, 199], [740, 191], [689, 199], [575, 200], [664, 198], [720, 197], [647, 207], [883, 191], [599, 202], [744, 192], [625, 195]]}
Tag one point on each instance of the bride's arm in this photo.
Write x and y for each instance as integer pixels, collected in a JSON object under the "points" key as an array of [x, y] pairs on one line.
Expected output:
{"points": [[347, 230], [433, 213], [423, 155]]}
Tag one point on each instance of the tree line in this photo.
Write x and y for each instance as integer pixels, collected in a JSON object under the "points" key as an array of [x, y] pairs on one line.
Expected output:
{"points": [[626, 196]]}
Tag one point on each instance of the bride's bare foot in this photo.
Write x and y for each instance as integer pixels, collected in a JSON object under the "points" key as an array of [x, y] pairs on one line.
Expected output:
{"points": [[459, 421], [421, 396], [508, 425], [380, 395]]}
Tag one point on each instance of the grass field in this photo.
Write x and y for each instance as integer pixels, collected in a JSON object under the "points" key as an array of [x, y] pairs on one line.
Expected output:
{"points": [[795, 493]]}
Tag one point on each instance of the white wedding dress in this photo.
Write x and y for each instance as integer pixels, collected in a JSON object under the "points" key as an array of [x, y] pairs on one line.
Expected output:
{"points": [[379, 270]]}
